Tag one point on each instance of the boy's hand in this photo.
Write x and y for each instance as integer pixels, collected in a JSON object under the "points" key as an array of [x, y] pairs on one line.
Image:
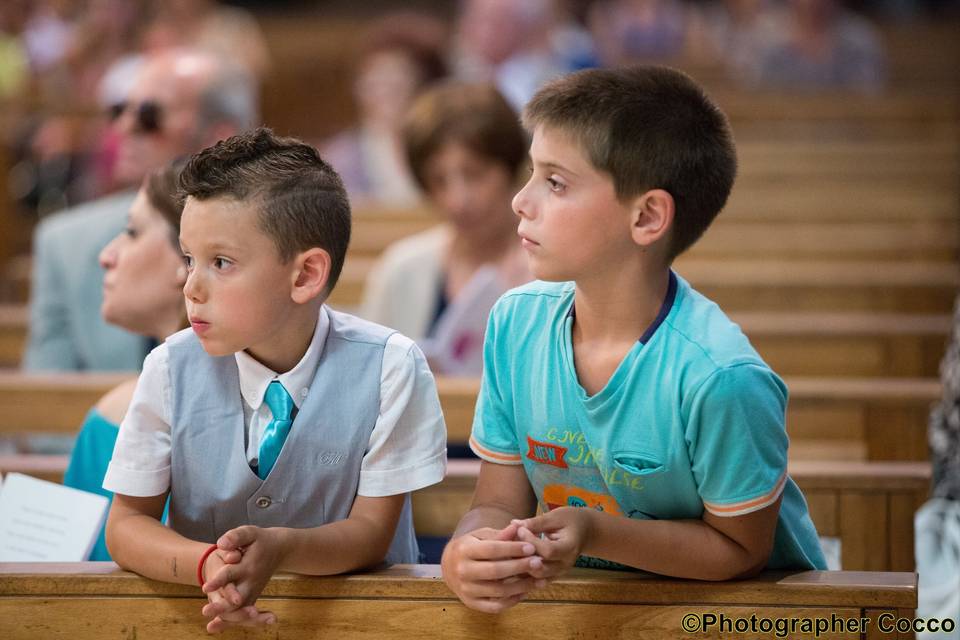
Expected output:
{"points": [[227, 600], [262, 553], [489, 569], [565, 531]]}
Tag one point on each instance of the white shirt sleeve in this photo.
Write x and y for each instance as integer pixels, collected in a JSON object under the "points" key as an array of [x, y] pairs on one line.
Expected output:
{"points": [[408, 445], [141, 458]]}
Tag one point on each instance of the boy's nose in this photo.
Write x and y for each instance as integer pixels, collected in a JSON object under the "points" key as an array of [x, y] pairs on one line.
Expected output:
{"points": [[521, 204], [192, 288]]}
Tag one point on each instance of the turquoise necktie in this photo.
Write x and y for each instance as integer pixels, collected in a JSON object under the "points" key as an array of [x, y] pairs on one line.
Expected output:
{"points": [[281, 405]]}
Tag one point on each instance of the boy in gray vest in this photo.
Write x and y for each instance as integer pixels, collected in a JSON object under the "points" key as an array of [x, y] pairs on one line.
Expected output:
{"points": [[287, 436]]}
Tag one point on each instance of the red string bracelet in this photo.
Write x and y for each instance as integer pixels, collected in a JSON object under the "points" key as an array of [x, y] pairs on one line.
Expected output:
{"points": [[203, 558]]}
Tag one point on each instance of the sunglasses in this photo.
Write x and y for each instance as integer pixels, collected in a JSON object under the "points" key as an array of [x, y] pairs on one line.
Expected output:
{"points": [[148, 115]]}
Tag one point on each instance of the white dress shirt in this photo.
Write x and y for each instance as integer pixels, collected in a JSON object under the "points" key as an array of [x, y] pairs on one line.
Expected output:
{"points": [[407, 449]]}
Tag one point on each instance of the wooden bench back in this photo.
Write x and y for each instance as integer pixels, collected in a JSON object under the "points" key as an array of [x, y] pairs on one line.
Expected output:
{"points": [[94, 600]]}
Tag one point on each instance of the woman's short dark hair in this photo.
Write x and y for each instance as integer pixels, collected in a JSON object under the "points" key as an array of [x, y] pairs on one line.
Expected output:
{"points": [[474, 115], [162, 188]]}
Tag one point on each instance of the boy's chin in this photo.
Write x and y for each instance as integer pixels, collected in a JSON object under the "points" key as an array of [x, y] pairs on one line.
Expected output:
{"points": [[548, 276], [216, 349]]}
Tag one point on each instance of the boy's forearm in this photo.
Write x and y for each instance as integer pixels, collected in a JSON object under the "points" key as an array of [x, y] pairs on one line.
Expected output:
{"points": [[141, 544], [338, 547], [680, 548]]}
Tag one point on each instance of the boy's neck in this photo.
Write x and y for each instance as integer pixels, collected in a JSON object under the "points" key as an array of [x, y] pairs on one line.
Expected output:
{"points": [[619, 308], [289, 343]]}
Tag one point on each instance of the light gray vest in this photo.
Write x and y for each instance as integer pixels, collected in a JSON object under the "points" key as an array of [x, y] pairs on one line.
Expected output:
{"points": [[314, 481]]}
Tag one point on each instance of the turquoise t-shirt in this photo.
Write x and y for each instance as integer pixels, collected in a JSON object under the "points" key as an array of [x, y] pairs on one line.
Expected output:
{"points": [[89, 460], [691, 419], [88, 464]]}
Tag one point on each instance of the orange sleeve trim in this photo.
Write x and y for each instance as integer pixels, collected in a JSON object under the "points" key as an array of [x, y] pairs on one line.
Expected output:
{"points": [[748, 506], [493, 456]]}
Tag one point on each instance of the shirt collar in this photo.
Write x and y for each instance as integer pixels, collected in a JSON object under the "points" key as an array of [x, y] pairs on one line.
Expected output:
{"points": [[255, 377]]}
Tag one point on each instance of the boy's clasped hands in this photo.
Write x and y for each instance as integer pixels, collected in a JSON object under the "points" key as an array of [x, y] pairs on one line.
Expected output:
{"points": [[235, 574], [491, 570]]}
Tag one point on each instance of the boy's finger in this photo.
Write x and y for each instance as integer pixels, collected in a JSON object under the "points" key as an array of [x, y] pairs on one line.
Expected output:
{"points": [[265, 617], [500, 588], [549, 570], [232, 595], [217, 625], [216, 606], [496, 570], [494, 605], [498, 550], [222, 577], [238, 538], [232, 556], [540, 545], [540, 524], [240, 615], [507, 533], [222, 623]]}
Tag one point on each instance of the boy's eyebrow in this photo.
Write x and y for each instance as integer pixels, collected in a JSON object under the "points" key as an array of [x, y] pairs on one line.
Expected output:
{"points": [[213, 246], [554, 165]]}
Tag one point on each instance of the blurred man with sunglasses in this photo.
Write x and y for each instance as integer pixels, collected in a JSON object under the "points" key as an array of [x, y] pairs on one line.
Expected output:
{"points": [[181, 101]]}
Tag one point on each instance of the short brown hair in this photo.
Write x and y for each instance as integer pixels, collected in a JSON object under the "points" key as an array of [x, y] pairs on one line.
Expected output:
{"points": [[648, 127], [474, 115], [302, 202]]}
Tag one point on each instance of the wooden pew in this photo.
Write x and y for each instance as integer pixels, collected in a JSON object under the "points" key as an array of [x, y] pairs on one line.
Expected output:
{"points": [[766, 285], [868, 505], [860, 419], [827, 418], [756, 232], [43, 466], [13, 334], [85, 601], [751, 285], [838, 418], [50, 403], [860, 344], [793, 343]]}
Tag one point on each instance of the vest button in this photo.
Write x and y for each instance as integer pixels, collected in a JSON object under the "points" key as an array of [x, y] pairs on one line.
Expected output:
{"points": [[263, 502]]}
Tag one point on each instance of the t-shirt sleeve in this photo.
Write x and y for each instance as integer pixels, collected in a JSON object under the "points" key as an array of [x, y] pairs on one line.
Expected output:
{"points": [[408, 446], [494, 434], [738, 440], [141, 458]]}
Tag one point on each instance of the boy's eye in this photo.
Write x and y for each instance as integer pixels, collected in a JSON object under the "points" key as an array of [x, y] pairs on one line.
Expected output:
{"points": [[188, 260], [220, 263], [131, 232], [555, 185]]}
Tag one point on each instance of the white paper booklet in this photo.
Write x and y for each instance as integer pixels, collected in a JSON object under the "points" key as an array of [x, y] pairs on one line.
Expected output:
{"points": [[43, 521]]}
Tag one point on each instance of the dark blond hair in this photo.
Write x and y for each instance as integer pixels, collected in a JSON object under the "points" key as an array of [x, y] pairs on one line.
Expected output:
{"points": [[162, 188], [648, 127], [474, 115]]}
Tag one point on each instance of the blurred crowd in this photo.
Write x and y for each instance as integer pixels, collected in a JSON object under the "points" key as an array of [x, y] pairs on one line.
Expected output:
{"points": [[64, 64], [66, 67]]}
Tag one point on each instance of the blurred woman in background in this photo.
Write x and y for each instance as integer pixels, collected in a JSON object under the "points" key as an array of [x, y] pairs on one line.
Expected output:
{"points": [[465, 147]]}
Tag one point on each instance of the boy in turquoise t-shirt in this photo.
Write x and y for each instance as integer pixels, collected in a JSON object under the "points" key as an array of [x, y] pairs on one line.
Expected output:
{"points": [[614, 385]]}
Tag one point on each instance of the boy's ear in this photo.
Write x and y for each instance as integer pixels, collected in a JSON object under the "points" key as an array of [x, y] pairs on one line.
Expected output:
{"points": [[311, 272], [652, 217]]}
